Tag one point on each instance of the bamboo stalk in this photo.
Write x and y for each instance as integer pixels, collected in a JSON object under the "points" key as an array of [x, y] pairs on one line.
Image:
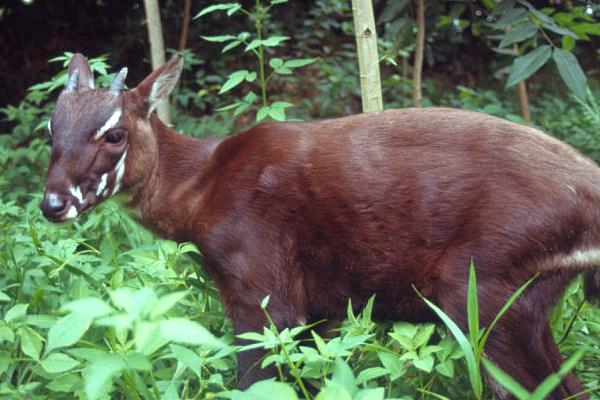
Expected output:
{"points": [[419, 51], [185, 24], [368, 58]]}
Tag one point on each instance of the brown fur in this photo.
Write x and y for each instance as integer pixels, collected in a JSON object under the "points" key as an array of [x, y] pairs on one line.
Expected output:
{"points": [[315, 213]]}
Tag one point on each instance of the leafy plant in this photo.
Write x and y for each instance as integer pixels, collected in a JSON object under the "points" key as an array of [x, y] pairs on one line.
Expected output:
{"points": [[258, 44]]}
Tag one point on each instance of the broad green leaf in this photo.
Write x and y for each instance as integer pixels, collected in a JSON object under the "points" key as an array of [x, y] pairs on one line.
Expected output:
{"points": [[424, 363], [234, 79], [4, 297], [446, 368], [527, 65], [275, 63], [98, 374], [370, 394], [67, 331], [181, 330], [253, 44], [89, 307], [16, 313], [218, 7], [147, 337], [333, 392], [277, 113], [165, 303], [6, 334], [343, 376], [274, 40], [262, 113], [187, 357], [567, 43], [370, 373], [58, 362], [520, 32], [138, 362], [64, 383], [511, 17], [269, 390], [570, 72], [31, 342]]}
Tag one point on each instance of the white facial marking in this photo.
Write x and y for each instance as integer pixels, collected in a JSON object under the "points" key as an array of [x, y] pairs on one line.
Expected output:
{"points": [[110, 123], [120, 172], [76, 192], [72, 213], [49, 127], [101, 185], [580, 258]]}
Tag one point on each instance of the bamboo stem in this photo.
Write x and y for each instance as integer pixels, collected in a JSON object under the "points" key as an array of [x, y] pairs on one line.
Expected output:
{"points": [[185, 24], [368, 58]]}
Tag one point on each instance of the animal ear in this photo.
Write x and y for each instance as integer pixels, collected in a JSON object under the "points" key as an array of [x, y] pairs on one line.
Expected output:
{"points": [[159, 84], [80, 77]]}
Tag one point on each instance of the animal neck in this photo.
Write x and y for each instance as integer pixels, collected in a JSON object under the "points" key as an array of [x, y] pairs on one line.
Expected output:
{"points": [[171, 185]]}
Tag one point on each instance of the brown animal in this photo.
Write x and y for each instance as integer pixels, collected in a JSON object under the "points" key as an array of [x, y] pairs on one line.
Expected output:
{"points": [[315, 213]]}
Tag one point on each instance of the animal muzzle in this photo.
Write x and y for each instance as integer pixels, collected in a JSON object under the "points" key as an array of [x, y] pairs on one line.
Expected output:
{"points": [[58, 207]]}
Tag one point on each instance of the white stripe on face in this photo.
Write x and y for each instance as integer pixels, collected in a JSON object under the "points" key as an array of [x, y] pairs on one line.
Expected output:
{"points": [[72, 213], [110, 123], [76, 192], [101, 185], [120, 172]]}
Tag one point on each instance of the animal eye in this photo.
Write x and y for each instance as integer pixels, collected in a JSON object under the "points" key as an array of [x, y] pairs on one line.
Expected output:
{"points": [[114, 136]]}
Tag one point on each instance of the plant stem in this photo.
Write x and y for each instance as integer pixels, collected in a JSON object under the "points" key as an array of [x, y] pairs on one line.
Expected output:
{"points": [[261, 53]]}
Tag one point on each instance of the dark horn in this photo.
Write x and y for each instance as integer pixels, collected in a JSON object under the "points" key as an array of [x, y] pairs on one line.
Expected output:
{"points": [[116, 87], [72, 81]]}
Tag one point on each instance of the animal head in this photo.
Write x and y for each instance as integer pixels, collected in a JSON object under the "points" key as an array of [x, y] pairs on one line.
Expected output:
{"points": [[102, 139]]}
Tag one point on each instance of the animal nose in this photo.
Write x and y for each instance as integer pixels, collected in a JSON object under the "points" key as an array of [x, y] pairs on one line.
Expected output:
{"points": [[55, 206]]}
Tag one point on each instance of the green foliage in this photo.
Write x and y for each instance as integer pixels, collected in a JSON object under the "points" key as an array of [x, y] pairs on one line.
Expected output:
{"points": [[259, 45]]}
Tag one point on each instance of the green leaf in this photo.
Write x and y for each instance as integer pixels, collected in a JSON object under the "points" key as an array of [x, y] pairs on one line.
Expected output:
{"points": [[269, 390], [218, 38], [64, 383], [570, 72], [31, 342], [343, 376], [187, 357], [231, 45], [333, 392], [552, 381], [277, 113], [506, 380], [519, 33], [253, 44], [98, 374], [561, 31], [465, 345], [370, 373], [567, 43], [181, 330], [473, 309], [301, 62], [275, 63], [58, 362], [89, 307], [265, 302], [4, 297], [370, 394], [67, 331], [218, 7], [165, 303], [262, 113], [16, 313], [527, 65], [511, 17], [235, 79], [274, 40]]}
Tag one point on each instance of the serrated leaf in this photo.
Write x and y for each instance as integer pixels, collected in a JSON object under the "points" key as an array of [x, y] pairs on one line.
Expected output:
{"points": [[165, 303], [181, 330], [570, 71], [99, 373], [31, 342], [67, 331], [57, 362], [527, 65], [187, 357]]}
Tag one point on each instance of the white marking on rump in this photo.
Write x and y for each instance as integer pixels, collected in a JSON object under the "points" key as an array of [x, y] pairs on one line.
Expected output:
{"points": [[120, 172], [72, 213], [578, 258], [76, 192], [101, 184], [110, 123], [49, 127]]}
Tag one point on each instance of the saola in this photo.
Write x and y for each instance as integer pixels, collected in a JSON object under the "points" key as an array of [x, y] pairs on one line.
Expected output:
{"points": [[315, 213]]}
